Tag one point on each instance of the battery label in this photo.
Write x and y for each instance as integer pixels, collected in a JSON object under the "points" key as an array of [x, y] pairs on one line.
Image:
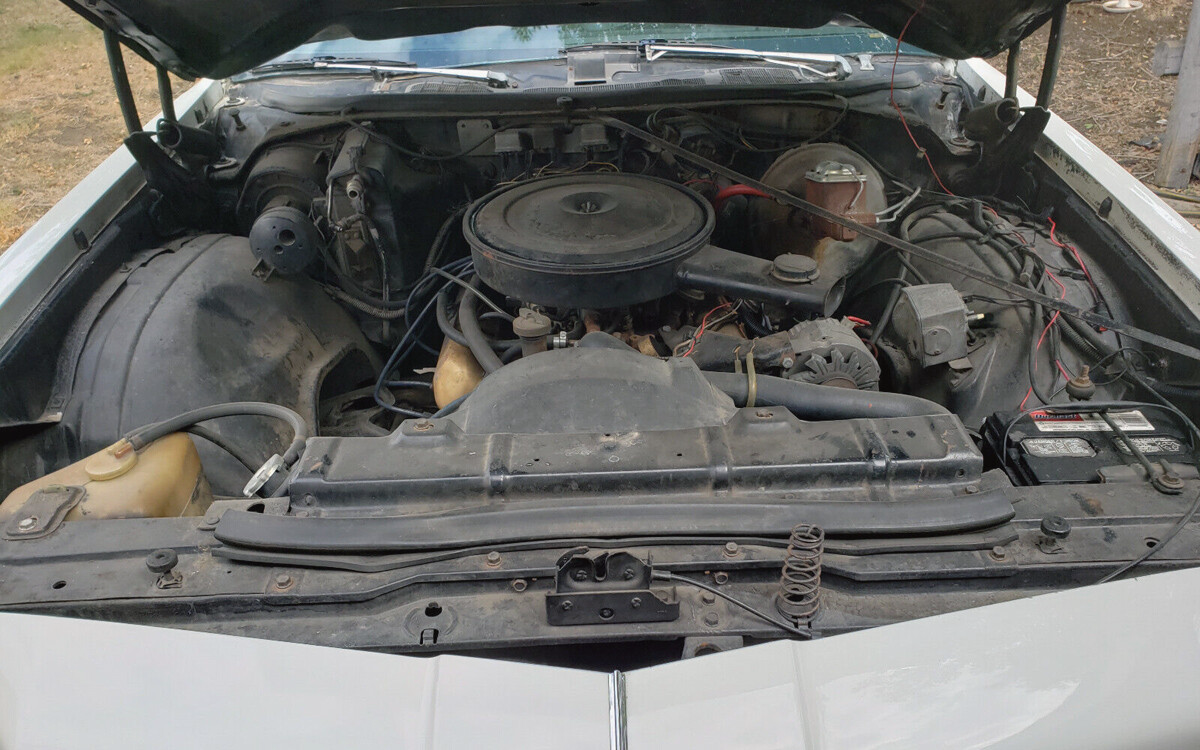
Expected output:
{"points": [[1156, 444], [1065, 447], [1128, 421]]}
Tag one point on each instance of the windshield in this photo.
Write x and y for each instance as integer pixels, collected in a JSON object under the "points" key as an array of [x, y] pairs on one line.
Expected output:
{"points": [[497, 44]]}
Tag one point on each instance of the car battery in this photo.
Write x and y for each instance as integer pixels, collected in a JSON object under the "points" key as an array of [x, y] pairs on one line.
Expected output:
{"points": [[1043, 447]]}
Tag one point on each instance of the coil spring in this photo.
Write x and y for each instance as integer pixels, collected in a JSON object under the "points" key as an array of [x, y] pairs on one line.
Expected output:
{"points": [[800, 584]]}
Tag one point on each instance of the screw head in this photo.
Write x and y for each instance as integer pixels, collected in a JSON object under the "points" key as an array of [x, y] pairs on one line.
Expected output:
{"points": [[635, 602], [721, 578], [423, 425], [493, 558], [566, 606], [283, 580], [708, 597], [25, 524], [972, 489], [580, 575], [711, 619], [628, 574], [998, 553], [731, 548], [787, 363], [606, 614], [519, 585]]}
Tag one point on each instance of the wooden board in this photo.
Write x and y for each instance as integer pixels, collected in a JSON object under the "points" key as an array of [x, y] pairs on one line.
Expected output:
{"points": [[1182, 138]]}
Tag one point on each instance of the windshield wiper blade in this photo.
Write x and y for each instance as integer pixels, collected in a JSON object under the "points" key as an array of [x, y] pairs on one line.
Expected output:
{"points": [[838, 66], [388, 68]]}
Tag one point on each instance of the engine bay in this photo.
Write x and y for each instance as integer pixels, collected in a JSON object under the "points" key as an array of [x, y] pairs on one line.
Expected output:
{"points": [[542, 372]]}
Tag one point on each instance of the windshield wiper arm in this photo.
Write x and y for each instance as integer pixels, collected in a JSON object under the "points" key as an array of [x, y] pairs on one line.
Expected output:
{"points": [[388, 68], [805, 61]]}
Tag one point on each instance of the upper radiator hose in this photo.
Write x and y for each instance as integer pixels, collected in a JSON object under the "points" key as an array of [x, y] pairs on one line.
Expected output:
{"points": [[817, 402]]}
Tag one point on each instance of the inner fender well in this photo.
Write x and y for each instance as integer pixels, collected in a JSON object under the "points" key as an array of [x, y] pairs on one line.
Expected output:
{"points": [[191, 326]]}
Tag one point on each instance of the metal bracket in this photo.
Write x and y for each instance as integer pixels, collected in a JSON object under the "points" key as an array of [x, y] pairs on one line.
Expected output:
{"points": [[43, 512], [605, 587]]}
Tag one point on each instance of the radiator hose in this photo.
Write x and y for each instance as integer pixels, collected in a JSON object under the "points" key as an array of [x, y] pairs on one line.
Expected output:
{"points": [[821, 402]]}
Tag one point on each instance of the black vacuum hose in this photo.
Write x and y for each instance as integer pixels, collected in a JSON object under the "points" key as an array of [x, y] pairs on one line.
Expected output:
{"points": [[477, 342]]}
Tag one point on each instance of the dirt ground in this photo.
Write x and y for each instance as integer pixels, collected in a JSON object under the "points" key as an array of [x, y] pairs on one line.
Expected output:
{"points": [[1105, 88], [59, 116]]}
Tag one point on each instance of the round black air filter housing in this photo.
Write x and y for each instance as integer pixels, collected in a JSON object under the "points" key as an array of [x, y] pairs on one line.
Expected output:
{"points": [[588, 240]]}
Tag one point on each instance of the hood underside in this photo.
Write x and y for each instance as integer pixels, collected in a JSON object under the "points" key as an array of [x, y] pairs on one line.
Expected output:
{"points": [[219, 38]]}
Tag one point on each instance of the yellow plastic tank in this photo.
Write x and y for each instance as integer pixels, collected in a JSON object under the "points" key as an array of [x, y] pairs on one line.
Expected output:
{"points": [[163, 480]]}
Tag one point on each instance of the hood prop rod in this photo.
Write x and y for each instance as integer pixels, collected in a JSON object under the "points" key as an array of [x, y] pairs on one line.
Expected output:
{"points": [[116, 66], [787, 199], [166, 97], [1010, 71], [1054, 47]]}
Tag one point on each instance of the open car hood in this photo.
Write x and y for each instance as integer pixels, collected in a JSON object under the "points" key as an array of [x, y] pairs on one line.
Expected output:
{"points": [[1099, 667], [219, 38]]}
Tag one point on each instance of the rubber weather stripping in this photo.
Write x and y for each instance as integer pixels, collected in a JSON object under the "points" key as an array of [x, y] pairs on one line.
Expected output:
{"points": [[969, 271]]}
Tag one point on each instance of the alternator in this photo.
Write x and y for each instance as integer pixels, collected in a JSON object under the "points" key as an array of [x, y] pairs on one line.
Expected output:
{"points": [[829, 352]]}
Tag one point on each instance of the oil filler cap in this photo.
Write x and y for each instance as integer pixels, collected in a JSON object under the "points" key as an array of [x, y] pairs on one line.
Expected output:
{"points": [[795, 269]]}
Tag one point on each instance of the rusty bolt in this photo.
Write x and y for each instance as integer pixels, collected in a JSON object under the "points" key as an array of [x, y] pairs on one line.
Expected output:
{"points": [[721, 578], [519, 585], [423, 425], [711, 619], [764, 414], [998, 553], [731, 549], [493, 558], [708, 597], [566, 606], [25, 524], [283, 581]]}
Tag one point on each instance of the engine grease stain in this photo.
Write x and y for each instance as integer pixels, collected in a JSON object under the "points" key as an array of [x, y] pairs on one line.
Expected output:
{"points": [[1089, 505]]}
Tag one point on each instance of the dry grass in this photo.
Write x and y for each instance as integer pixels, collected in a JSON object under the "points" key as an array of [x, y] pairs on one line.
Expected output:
{"points": [[1105, 87], [59, 117]]}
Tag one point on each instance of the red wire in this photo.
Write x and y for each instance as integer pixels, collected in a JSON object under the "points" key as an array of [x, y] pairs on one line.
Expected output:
{"points": [[1038, 347], [1074, 251], [858, 321], [703, 324], [903, 121], [726, 193]]}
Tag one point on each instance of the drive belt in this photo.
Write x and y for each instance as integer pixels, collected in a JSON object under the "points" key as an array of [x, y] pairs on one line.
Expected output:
{"points": [[1013, 288]]}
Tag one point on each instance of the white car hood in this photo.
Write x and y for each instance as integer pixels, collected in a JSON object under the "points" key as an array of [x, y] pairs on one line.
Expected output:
{"points": [[1111, 666]]}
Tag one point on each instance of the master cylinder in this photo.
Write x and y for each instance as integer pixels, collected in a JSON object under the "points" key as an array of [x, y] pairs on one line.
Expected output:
{"points": [[162, 480]]}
